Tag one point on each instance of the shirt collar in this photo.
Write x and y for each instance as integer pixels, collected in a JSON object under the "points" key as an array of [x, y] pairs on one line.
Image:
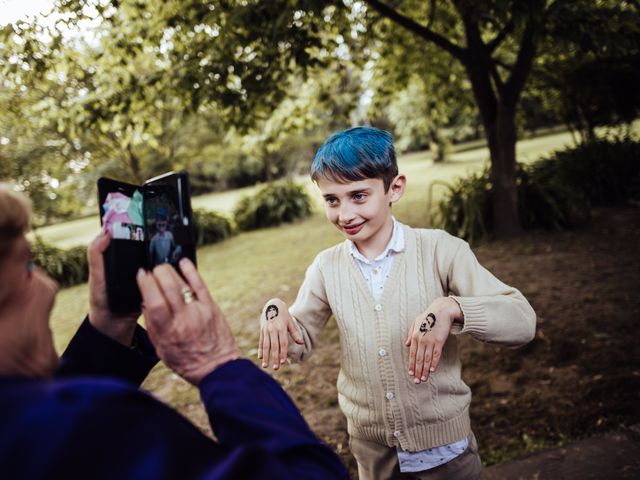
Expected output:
{"points": [[396, 244]]}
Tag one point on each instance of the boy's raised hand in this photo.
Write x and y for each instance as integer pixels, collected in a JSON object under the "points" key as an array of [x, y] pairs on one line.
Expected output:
{"points": [[427, 336], [275, 325]]}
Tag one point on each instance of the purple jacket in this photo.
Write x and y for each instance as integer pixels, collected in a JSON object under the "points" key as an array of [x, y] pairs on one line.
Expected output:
{"points": [[92, 421]]}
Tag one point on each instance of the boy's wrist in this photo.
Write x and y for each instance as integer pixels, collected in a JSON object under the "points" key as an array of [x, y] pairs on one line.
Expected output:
{"points": [[458, 317]]}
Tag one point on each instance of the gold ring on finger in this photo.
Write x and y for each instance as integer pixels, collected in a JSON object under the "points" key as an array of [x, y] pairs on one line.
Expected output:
{"points": [[187, 295]]}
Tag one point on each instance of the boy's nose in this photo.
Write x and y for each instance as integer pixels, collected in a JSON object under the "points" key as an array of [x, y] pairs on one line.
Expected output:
{"points": [[346, 215]]}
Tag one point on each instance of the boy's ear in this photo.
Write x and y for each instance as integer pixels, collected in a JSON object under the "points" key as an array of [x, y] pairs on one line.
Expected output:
{"points": [[397, 187]]}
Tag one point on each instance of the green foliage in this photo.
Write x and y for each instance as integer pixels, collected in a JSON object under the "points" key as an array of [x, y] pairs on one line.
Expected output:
{"points": [[67, 267], [211, 227], [545, 201], [556, 192], [588, 70], [274, 204], [605, 172], [467, 207]]}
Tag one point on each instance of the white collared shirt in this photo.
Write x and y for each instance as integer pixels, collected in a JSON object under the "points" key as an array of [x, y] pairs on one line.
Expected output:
{"points": [[376, 272]]}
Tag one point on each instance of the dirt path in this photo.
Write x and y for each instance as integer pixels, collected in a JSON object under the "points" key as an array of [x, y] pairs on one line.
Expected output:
{"points": [[581, 374]]}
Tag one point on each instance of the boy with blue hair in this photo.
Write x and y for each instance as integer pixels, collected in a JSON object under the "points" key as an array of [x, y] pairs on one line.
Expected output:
{"points": [[400, 297]]}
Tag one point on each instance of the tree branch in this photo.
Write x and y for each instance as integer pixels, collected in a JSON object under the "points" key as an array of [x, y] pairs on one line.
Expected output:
{"points": [[502, 64], [432, 13], [513, 86], [479, 68], [414, 27], [495, 76], [499, 38]]}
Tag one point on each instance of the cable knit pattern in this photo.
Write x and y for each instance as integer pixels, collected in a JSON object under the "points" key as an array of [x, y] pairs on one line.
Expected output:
{"points": [[375, 392]]}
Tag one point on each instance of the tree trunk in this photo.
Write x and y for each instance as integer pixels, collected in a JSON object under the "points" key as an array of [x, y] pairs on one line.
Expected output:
{"points": [[502, 137], [134, 164], [437, 145], [499, 121], [267, 166]]}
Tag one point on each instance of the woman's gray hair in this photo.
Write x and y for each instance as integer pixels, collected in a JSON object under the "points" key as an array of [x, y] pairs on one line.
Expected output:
{"points": [[15, 216]]}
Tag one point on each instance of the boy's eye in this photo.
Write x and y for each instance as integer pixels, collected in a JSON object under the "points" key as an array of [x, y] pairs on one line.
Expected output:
{"points": [[359, 196], [331, 201]]}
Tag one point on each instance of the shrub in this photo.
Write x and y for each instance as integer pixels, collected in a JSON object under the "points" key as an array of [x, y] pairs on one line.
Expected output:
{"points": [[274, 204], [210, 227], [67, 267], [466, 210], [543, 202], [604, 171], [556, 192]]}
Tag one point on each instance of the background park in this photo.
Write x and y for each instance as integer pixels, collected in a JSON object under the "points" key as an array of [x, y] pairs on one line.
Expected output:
{"points": [[515, 123]]}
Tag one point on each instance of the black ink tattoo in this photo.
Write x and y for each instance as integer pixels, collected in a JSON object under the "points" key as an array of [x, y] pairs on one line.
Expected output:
{"points": [[428, 324], [271, 312]]}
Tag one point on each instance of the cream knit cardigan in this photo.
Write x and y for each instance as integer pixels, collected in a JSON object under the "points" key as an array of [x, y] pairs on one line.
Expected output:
{"points": [[375, 392]]}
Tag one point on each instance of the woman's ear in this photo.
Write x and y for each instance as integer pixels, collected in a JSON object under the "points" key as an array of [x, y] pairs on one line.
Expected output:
{"points": [[397, 187]]}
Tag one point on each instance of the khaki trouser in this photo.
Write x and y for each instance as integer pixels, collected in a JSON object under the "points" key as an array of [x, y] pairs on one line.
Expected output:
{"points": [[379, 462]]}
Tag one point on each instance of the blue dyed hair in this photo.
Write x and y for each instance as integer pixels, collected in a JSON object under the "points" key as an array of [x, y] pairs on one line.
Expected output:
{"points": [[356, 154]]}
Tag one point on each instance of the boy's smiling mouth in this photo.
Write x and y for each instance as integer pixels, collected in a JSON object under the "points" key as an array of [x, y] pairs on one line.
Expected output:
{"points": [[353, 229]]}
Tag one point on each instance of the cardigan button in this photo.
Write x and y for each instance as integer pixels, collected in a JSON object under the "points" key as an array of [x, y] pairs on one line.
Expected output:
{"points": [[378, 307], [389, 395], [397, 433], [382, 352]]}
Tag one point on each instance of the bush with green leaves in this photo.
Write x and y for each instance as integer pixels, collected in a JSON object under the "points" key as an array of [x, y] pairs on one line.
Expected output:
{"points": [[67, 267], [606, 172], [210, 227], [556, 192], [273, 205]]}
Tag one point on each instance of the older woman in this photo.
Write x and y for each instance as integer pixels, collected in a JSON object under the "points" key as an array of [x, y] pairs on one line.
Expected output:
{"points": [[84, 417]]}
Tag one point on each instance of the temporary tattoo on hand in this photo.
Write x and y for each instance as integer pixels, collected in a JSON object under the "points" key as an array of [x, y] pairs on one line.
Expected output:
{"points": [[427, 325], [271, 312]]}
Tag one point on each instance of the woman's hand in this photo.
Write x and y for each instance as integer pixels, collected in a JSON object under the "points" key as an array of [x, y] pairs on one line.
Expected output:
{"points": [[185, 325], [119, 327], [427, 336], [275, 325]]}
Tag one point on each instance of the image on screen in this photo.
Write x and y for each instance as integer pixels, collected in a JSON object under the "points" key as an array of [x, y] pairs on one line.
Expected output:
{"points": [[123, 216]]}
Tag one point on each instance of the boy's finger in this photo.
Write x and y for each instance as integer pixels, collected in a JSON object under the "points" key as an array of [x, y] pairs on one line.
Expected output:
{"points": [[419, 363], [437, 355], [412, 357], [266, 350], [194, 279], [428, 355], [275, 349], [293, 330], [284, 346], [155, 304]]}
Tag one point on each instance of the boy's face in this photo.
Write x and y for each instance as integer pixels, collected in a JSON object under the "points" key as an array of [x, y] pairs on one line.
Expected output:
{"points": [[361, 210]]}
